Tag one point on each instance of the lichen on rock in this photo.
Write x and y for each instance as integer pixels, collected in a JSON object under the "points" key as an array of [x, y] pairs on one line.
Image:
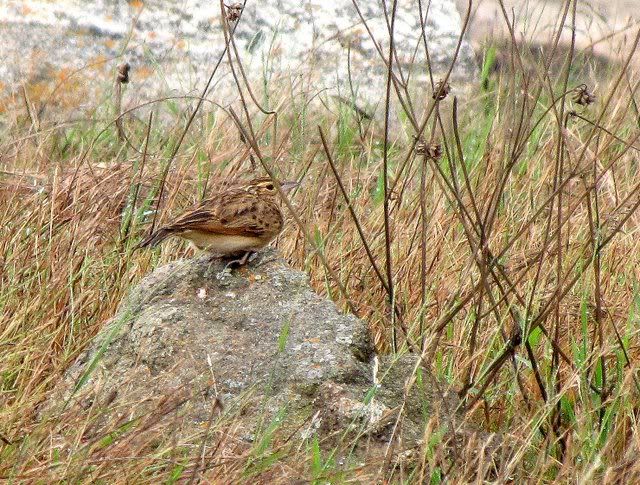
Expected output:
{"points": [[194, 345]]}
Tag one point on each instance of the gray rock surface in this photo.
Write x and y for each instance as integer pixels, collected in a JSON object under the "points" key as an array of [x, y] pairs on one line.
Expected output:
{"points": [[605, 29], [250, 344], [173, 44], [260, 330]]}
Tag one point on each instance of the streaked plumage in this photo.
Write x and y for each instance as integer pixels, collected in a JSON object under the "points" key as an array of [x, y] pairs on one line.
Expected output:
{"points": [[241, 219]]}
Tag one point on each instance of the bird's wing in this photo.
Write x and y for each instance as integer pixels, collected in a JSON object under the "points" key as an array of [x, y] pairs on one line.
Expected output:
{"points": [[234, 216]]}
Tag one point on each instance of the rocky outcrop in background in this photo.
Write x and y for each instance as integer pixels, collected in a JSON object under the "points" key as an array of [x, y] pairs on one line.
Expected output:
{"points": [[603, 27], [173, 45]]}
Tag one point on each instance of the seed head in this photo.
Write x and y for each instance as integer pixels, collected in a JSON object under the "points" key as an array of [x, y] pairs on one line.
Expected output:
{"points": [[441, 90], [123, 73], [234, 11], [583, 96], [431, 151]]}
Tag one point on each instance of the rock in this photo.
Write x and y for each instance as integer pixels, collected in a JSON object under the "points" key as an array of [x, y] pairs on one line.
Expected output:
{"points": [[605, 29], [194, 344], [173, 45], [192, 326]]}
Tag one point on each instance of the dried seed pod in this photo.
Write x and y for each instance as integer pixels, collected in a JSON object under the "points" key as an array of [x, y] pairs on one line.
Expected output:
{"points": [[123, 73], [234, 11], [441, 90], [434, 151], [583, 96], [431, 151]]}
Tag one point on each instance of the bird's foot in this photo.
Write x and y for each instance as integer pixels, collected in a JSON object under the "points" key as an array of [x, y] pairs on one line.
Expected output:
{"points": [[248, 257]]}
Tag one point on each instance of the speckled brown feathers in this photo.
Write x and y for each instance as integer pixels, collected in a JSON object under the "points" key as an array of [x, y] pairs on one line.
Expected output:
{"points": [[241, 219]]}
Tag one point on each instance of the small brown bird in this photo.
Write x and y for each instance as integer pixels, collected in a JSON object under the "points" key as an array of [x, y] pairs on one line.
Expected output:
{"points": [[240, 220]]}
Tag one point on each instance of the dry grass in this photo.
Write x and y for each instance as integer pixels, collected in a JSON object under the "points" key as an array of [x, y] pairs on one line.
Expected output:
{"points": [[512, 262]]}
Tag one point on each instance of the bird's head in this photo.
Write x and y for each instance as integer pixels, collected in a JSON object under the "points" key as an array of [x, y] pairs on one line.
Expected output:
{"points": [[265, 186]]}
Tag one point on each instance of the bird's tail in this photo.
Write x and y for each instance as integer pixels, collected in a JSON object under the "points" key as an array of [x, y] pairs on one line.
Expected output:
{"points": [[155, 238]]}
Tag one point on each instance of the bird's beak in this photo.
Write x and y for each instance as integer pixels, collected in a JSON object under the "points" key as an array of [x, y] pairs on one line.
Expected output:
{"points": [[289, 185]]}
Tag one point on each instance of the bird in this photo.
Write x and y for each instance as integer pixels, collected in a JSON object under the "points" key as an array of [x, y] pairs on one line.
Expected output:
{"points": [[237, 221]]}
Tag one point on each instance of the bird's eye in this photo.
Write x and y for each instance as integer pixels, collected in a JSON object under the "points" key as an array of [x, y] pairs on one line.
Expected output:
{"points": [[269, 186]]}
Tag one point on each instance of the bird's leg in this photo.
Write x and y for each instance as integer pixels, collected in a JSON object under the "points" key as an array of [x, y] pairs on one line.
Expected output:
{"points": [[236, 263]]}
